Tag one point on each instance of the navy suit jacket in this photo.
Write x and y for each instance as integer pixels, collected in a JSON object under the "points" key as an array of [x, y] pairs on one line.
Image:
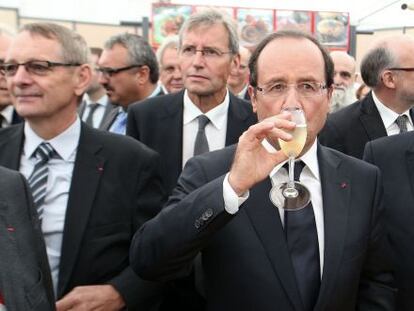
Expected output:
{"points": [[245, 256], [349, 129], [394, 156], [115, 188], [158, 123]]}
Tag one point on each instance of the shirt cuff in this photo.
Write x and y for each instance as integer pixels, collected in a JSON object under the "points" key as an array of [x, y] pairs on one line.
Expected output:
{"points": [[232, 201]]}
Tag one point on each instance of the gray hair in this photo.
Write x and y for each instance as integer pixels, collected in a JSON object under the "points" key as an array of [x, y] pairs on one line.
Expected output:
{"points": [[211, 17], [169, 43], [74, 47], [374, 63], [139, 52]]}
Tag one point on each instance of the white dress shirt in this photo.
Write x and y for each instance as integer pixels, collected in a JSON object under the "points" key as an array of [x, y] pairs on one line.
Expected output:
{"points": [[215, 130], [7, 114], [99, 112], [310, 177], [58, 185], [388, 117]]}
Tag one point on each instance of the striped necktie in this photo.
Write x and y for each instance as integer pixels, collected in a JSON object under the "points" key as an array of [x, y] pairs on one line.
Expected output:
{"points": [[38, 179]]}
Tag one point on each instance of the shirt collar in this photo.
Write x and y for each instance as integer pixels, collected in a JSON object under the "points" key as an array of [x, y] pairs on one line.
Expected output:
{"points": [[65, 143], [243, 92], [310, 158], [388, 116], [155, 92], [7, 113], [103, 101], [217, 115]]}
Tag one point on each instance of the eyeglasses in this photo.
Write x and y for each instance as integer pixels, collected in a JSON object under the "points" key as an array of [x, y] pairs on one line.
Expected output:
{"points": [[344, 74], [109, 72], [402, 69], [207, 53], [303, 89], [36, 67]]}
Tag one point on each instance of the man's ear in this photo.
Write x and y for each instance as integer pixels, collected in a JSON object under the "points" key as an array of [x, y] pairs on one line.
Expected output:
{"points": [[388, 79], [235, 64], [142, 75], [82, 78], [253, 97]]}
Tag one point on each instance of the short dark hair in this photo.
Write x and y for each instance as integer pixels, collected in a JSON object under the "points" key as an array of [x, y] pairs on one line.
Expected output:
{"points": [[96, 51], [139, 51], [374, 63], [329, 66]]}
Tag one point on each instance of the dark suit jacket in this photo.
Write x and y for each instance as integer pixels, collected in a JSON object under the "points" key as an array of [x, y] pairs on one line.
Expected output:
{"points": [[110, 118], [395, 157], [108, 109], [245, 256], [349, 129], [115, 188], [25, 280], [158, 123]]}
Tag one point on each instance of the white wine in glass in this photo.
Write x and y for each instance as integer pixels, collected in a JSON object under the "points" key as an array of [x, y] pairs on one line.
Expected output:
{"points": [[292, 195], [294, 147]]}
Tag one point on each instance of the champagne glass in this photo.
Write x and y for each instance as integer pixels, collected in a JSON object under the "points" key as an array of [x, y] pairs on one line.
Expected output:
{"points": [[292, 195]]}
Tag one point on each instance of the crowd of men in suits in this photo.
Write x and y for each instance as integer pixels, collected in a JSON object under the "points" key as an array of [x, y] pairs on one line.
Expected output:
{"points": [[144, 178]]}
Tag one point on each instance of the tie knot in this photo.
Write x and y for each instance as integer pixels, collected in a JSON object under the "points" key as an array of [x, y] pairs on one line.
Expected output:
{"points": [[93, 106], [299, 165], [44, 152], [203, 120], [401, 121]]}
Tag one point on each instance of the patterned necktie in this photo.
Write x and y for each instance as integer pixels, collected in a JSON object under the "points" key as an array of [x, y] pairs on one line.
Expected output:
{"points": [[201, 143], [302, 241], [119, 125], [92, 109], [38, 179], [402, 123]]}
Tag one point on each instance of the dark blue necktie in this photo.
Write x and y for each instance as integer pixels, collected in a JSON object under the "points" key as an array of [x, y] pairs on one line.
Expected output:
{"points": [[302, 241]]}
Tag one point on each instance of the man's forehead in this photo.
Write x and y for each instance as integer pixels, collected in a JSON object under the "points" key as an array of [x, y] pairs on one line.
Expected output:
{"points": [[34, 46], [204, 34]]}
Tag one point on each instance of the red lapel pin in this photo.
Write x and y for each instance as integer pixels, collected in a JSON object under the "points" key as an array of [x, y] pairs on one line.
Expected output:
{"points": [[344, 185]]}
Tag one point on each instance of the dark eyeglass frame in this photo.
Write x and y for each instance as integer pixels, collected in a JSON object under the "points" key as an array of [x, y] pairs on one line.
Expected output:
{"points": [[108, 71], [402, 68], [29, 66]]}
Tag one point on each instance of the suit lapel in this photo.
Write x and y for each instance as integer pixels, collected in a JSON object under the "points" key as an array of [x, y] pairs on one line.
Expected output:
{"points": [[409, 158], [89, 166], [11, 147], [336, 199], [108, 108], [171, 121], [108, 120], [371, 119], [235, 121], [266, 220]]}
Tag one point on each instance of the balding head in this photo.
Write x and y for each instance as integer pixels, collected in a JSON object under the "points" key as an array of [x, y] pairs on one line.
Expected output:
{"points": [[383, 69], [344, 79]]}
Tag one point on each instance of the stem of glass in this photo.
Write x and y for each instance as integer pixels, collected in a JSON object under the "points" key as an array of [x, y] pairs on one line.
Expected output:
{"points": [[291, 183]]}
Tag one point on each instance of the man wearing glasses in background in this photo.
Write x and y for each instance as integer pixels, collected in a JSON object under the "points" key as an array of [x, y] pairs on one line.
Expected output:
{"points": [[388, 69], [129, 73], [92, 189], [238, 80], [203, 117], [344, 79]]}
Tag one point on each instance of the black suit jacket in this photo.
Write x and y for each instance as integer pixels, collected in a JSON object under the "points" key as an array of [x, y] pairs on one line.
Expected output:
{"points": [[395, 157], [115, 188], [349, 129], [158, 123], [25, 280], [245, 256]]}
